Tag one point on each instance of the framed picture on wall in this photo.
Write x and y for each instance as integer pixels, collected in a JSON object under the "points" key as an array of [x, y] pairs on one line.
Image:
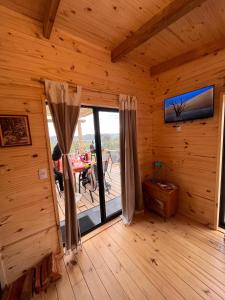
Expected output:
{"points": [[14, 131]]}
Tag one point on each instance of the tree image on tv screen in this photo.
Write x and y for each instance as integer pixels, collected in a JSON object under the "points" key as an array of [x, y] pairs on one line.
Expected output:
{"points": [[179, 107], [192, 105]]}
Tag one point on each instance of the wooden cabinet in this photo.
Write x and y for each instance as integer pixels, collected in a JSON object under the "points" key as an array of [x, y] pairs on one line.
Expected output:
{"points": [[161, 198]]}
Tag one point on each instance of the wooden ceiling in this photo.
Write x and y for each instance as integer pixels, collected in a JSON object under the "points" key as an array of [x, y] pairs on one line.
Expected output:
{"points": [[34, 9], [109, 23], [106, 22], [202, 26]]}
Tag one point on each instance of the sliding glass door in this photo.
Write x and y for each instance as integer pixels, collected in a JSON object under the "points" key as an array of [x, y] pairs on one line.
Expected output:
{"points": [[99, 182], [110, 149], [95, 160], [85, 167]]}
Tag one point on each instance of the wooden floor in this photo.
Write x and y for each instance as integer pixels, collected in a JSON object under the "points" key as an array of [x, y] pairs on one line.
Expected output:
{"points": [[151, 259], [113, 178]]}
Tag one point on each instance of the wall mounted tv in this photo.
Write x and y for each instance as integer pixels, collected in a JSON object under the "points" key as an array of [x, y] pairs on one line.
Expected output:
{"points": [[192, 105]]}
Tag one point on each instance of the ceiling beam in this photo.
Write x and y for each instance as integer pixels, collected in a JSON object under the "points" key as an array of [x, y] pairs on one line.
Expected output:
{"points": [[187, 57], [49, 18], [170, 14]]}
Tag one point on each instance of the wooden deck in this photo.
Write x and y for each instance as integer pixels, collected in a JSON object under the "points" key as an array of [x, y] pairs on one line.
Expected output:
{"points": [[151, 259], [85, 203]]}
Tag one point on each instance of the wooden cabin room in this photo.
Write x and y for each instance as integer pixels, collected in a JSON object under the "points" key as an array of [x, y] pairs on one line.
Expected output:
{"points": [[112, 170]]}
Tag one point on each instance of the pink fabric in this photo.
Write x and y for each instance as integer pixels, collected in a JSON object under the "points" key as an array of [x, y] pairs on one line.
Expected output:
{"points": [[78, 166]]}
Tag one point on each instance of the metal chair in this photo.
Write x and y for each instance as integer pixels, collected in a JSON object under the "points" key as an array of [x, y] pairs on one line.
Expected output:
{"points": [[90, 180], [114, 157], [58, 189], [105, 163]]}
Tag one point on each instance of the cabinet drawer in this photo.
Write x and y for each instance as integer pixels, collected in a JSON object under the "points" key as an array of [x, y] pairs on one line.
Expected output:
{"points": [[157, 205], [164, 202]]}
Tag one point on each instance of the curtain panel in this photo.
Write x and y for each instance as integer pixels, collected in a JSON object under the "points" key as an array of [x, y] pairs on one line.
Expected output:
{"points": [[65, 107], [131, 191]]}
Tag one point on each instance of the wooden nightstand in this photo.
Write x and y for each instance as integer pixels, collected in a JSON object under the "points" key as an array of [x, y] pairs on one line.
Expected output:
{"points": [[161, 198]]}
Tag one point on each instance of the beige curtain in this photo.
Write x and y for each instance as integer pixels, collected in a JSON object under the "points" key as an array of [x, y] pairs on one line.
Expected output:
{"points": [[65, 108], [131, 191]]}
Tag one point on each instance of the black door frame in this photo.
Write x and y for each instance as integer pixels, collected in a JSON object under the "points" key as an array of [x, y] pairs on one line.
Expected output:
{"points": [[104, 218], [222, 188]]}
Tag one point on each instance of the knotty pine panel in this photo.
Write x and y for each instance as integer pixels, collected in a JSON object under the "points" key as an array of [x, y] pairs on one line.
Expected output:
{"points": [[29, 219], [27, 209], [27, 252], [191, 155]]}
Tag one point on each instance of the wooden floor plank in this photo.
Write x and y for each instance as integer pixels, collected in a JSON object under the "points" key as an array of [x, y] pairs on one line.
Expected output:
{"points": [[81, 291], [213, 262], [92, 279], [129, 286], [50, 294], [165, 273], [207, 265], [150, 259], [203, 229], [77, 280], [145, 285], [199, 281], [198, 237], [162, 284], [110, 282], [198, 266], [63, 285]]}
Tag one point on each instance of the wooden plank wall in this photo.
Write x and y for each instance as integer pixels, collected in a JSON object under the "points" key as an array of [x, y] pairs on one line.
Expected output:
{"points": [[27, 218], [191, 155]]}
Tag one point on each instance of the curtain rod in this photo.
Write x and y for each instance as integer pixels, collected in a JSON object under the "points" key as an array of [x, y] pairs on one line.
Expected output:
{"points": [[73, 85]]}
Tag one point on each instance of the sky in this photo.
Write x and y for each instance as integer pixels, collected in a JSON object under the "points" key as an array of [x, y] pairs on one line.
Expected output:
{"points": [[109, 123], [187, 96]]}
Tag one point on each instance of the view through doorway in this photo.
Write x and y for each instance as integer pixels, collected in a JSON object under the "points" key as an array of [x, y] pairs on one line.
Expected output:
{"points": [[95, 160]]}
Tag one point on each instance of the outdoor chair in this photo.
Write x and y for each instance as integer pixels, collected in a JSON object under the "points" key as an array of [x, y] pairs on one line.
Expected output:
{"points": [[58, 188], [90, 178], [105, 163], [114, 157]]}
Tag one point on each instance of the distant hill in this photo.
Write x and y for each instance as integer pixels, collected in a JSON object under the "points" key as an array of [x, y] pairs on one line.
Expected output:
{"points": [[110, 141]]}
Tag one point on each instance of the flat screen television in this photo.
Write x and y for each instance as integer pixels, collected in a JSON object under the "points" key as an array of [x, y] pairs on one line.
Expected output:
{"points": [[192, 105]]}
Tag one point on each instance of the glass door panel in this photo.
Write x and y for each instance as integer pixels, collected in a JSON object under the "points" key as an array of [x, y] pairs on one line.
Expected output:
{"points": [[85, 168], [110, 148], [95, 160]]}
